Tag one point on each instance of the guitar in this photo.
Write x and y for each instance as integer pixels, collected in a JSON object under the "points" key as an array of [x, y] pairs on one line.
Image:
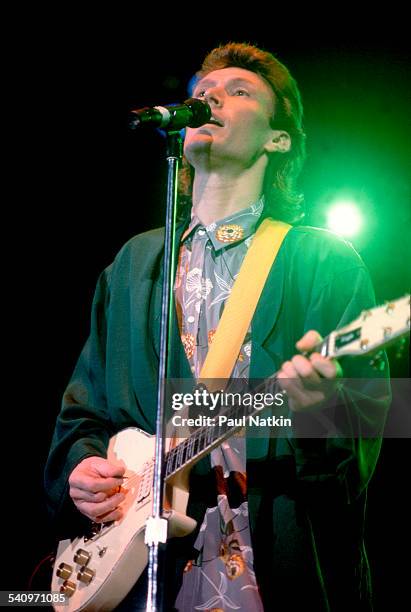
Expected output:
{"points": [[95, 571]]}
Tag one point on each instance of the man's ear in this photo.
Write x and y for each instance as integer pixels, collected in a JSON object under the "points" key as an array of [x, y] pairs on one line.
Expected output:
{"points": [[280, 142]]}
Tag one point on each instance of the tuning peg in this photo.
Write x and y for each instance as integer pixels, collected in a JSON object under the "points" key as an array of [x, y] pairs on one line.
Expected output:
{"points": [[389, 307], [364, 344]]}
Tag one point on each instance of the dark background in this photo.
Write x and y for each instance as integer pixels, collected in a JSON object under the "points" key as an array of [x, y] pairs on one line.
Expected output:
{"points": [[85, 184]]}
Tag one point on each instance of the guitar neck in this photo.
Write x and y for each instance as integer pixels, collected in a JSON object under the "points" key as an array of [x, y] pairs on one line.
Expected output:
{"points": [[372, 331], [208, 437]]}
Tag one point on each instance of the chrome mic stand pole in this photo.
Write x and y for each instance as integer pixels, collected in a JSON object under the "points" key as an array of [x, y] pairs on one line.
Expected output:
{"points": [[193, 113], [156, 528]]}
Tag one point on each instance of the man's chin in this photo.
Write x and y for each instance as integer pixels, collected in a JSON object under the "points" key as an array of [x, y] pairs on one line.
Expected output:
{"points": [[198, 145]]}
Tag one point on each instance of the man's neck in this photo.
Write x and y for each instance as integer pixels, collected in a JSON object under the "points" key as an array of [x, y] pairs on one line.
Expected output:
{"points": [[216, 196]]}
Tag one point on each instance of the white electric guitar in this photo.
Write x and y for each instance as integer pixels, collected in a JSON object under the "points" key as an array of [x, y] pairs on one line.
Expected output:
{"points": [[98, 569]]}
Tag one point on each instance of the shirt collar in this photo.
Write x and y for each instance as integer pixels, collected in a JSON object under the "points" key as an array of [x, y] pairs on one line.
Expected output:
{"points": [[231, 229]]}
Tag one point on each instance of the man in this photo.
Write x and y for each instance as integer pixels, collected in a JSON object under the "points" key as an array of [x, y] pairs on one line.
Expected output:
{"points": [[281, 520]]}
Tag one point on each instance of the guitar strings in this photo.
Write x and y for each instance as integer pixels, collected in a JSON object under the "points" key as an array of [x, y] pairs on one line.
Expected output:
{"points": [[194, 442]]}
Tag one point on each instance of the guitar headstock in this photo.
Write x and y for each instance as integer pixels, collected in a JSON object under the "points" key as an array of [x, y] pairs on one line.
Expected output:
{"points": [[373, 330]]}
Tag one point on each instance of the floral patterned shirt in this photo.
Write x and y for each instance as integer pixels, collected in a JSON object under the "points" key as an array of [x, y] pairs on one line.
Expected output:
{"points": [[221, 575]]}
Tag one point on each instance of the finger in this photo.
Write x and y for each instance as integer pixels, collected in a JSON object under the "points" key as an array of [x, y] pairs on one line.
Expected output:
{"points": [[82, 495], [115, 515], [289, 370], [289, 378], [327, 368], [305, 369], [94, 510], [283, 381], [308, 341], [93, 484], [106, 469]]}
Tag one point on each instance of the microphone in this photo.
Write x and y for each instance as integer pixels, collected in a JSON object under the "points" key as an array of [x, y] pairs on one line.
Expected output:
{"points": [[192, 113]]}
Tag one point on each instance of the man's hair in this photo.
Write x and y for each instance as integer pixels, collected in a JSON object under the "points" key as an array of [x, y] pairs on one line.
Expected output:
{"points": [[281, 198]]}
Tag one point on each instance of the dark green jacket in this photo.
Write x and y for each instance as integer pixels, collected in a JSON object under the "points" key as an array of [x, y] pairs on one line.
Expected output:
{"points": [[307, 510]]}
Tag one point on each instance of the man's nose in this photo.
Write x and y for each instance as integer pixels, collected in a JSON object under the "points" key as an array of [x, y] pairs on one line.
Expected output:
{"points": [[215, 96]]}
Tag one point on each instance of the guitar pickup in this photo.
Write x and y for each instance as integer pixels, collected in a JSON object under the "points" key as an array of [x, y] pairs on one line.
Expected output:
{"points": [[146, 481]]}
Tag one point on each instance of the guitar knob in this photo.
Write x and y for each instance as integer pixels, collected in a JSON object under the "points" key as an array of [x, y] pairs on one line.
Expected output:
{"points": [[363, 344], [64, 571], [387, 332], [82, 557], [86, 575], [68, 588]]}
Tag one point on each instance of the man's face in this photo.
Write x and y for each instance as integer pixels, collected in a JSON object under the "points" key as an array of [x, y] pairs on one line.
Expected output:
{"points": [[242, 104]]}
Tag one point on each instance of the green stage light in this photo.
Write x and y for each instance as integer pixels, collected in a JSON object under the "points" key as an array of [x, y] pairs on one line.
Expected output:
{"points": [[344, 218]]}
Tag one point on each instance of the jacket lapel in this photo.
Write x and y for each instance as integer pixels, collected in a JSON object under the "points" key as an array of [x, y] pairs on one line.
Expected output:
{"points": [[263, 362], [178, 363]]}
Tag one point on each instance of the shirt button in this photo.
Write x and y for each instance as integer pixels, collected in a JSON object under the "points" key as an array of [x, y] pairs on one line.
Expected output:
{"points": [[190, 319], [192, 368]]}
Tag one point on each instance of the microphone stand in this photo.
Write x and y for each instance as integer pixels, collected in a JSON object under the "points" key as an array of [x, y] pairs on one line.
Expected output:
{"points": [[194, 113], [156, 527]]}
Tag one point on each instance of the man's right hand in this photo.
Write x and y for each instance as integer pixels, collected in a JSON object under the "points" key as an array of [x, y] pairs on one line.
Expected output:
{"points": [[95, 489]]}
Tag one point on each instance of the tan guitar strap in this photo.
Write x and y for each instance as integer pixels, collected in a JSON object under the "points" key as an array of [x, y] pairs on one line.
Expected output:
{"points": [[242, 302]]}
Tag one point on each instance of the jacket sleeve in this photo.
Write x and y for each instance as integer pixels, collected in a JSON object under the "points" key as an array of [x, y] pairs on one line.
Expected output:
{"points": [[341, 465], [83, 425]]}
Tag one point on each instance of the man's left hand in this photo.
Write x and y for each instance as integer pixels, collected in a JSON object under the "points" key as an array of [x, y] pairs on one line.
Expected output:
{"points": [[303, 377]]}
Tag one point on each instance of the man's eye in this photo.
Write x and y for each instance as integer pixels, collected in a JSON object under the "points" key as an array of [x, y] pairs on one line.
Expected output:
{"points": [[241, 92], [201, 93]]}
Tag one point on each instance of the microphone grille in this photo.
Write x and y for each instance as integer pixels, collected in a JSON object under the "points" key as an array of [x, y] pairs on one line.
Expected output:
{"points": [[201, 112]]}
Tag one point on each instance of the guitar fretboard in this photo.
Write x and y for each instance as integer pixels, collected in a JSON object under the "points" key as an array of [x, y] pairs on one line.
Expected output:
{"points": [[207, 437]]}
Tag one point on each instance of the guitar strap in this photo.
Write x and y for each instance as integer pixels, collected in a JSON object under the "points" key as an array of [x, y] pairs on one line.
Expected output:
{"points": [[242, 302]]}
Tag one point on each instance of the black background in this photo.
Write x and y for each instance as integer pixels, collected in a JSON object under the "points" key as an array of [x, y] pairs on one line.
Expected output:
{"points": [[84, 184]]}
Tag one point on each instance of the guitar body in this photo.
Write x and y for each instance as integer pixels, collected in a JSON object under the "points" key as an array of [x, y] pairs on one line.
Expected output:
{"points": [[97, 571]]}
